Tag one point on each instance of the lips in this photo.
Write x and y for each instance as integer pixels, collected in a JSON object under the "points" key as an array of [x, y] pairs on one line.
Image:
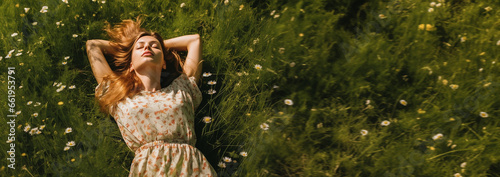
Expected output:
{"points": [[147, 53]]}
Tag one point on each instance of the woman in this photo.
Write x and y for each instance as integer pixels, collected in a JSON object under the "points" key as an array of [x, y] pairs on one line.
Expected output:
{"points": [[151, 95]]}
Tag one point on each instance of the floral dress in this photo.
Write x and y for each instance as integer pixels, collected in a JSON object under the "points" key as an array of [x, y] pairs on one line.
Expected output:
{"points": [[159, 127]]}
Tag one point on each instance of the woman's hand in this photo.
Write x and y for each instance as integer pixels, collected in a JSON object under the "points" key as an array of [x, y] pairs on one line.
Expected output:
{"points": [[192, 44]]}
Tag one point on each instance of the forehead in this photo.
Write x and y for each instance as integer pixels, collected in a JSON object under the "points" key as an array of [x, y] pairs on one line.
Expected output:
{"points": [[148, 39]]}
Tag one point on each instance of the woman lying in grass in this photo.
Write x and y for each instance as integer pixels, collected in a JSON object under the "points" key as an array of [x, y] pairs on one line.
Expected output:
{"points": [[152, 95]]}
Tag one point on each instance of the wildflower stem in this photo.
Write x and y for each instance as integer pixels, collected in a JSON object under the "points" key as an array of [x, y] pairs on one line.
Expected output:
{"points": [[446, 153]]}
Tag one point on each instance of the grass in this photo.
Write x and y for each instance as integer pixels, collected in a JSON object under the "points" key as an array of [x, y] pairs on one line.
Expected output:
{"points": [[344, 65]]}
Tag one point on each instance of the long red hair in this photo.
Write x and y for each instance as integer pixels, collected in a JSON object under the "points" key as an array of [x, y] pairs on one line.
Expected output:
{"points": [[122, 83]]}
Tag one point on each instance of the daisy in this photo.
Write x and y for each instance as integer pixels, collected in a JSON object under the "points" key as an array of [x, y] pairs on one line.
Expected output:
{"points": [[483, 114], [431, 9], [44, 9], [244, 154], [64, 63], [439, 5], [35, 114], [26, 10], [222, 165], [454, 86], [212, 82], [385, 123], [226, 159], [281, 50], [463, 165], [89, 123], [13, 35], [66, 148], [75, 35], [382, 16], [37, 104], [264, 126], [226, 2], [488, 9], [437, 136], [27, 128], [71, 143], [207, 119], [34, 23], [292, 64], [432, 4], [29, 102], [18, 54], [457, 175], [33, 131], [403, 102], [66, 58], [207, 74], [364, 132], [68, 130], [65, 1], [211, 91], [288, 102], [72, 87], [18, 112], [258, 67], [498, 42], [183, 4], [42, 127], [463, 39]]}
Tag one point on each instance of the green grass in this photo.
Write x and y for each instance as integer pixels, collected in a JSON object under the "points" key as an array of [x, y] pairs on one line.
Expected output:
{"points": [[328, 57]]}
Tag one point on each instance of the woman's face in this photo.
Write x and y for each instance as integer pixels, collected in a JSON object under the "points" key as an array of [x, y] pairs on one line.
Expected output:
{"points": [[146, 52]]}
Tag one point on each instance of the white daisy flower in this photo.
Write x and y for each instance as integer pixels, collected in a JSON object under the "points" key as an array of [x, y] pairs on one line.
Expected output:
{"points": [[276, 87], [66, 148], [72, 87], [89, 123], [483, 114], [18, 112], [212, 82], [71, 143], [364, 132], [35, 114], [27, 128], [463, 165], [207, 119], [227, 159], [26, 10], [207, 74], [463, 39], [42, 127], [454, 86], [403, 102], [75, 35], [33, 131], [244, 154], [264, 126], [13, 35], [432, 4], [281, 50], [488, 9], [29, 102], [457, 175], [183, 5], [431, 9], [44, 9], [498, 42], [382, 16], [288, 102], [37, 104], [437, 136], [68, 130], [439, 5], [34, 23], [66, 58], [211, 91], [64, 63], [65, 1], [226, 2], [385, 123], [258, 67], [18, 54], [222, 165]]}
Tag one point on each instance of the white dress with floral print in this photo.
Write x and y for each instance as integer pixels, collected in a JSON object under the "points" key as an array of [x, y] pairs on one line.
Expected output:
{"points": [[159, 127]]}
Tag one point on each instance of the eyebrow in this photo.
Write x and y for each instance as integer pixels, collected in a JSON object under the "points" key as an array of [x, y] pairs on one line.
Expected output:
{"points": [[151, 41]]}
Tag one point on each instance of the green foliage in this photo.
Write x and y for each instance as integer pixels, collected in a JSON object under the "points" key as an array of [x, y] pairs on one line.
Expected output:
{"points": [[303, 86]]}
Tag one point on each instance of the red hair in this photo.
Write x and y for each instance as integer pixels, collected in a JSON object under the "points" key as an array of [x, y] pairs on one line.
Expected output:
{"points": [[122, 83]]}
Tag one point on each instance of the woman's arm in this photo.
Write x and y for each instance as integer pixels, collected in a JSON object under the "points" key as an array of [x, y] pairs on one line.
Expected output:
{"points": [[95, 52], [191, 43]]}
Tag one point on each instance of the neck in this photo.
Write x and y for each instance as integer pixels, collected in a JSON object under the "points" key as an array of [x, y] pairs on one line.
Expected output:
{"points": [[150, 78]]}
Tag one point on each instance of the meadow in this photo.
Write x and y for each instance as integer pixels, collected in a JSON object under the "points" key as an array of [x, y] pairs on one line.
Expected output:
{"points": [[290, 88]]}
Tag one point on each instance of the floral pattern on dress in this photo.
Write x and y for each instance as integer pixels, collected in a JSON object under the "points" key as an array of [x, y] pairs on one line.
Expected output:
{"points": [[159, 127]]}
